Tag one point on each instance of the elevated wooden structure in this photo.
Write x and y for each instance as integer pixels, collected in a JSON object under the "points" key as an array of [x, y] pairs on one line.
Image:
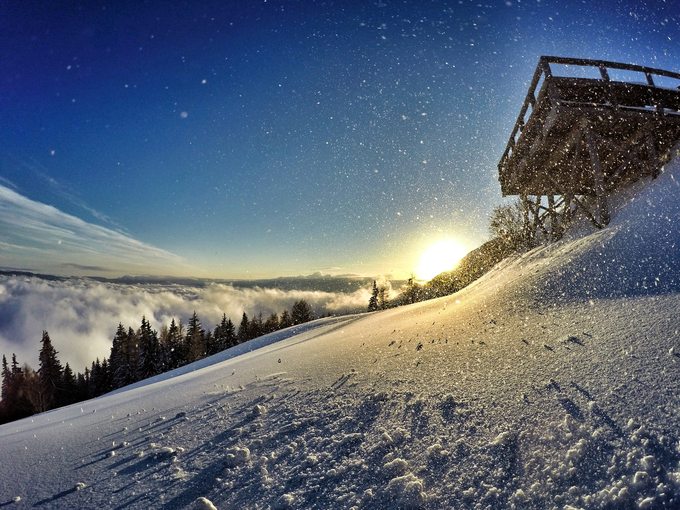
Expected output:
{"points": [[579, 139]]}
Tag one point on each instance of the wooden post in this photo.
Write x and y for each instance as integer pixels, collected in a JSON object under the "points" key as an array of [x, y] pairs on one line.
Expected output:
{"points": [[537, 215], [528, 234], [598, 178], [566, 208], [555, 227]]}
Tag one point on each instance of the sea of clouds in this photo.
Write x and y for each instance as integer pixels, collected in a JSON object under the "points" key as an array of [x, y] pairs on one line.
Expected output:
{"points": [[81, 314]]}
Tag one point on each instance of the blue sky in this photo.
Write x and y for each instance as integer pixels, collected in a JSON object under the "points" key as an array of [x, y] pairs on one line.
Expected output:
{"points": [[257, 139]]}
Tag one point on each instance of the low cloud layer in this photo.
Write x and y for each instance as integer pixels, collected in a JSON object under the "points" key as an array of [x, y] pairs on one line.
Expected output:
{"points": [[42, 238], [81, 315]]}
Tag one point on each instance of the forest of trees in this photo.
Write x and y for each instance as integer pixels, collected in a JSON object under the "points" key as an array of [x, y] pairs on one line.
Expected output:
{"points": [[135, 355]]}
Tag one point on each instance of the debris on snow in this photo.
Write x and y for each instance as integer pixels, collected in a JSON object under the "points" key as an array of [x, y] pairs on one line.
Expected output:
{"points": [[204, 504], [237, 456]]}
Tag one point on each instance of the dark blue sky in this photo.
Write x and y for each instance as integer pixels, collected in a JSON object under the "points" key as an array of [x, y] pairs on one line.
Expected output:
{"points": [[268, 138]]}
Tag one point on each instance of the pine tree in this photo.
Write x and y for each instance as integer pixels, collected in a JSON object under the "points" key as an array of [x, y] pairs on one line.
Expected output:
{"points": [[84, 385], [210, 344], [8, 399], [69, 387], [373, 301], [383, 301], [105, 384], [413, 292], [173, 345], [285, 321], [6, 380], [123, 358], [116, 356], [95, 372], [15, 403], [195, 340], [49, 373], [255, 327], [225, 336], [148, 362], [301, 312], [244, 329], [271, 324]]}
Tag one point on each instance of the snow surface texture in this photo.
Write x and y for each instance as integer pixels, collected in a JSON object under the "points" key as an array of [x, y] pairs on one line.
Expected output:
{"points": [[549, 383]]}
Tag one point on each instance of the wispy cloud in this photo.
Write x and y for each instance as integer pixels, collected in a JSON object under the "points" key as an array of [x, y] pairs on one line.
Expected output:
{"points": [[43, 238], [7, 182], [64, 191], [81, 314]]}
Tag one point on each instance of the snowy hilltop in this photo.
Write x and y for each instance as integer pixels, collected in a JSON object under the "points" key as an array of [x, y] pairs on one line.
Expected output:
{"points": [[551, 382]]}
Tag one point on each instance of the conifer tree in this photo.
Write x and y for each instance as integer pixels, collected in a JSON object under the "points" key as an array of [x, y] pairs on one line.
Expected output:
{"points": [[195, 340], [373, 301], [225, 335], [6, 380], [8, 400], [173, 345], [255, 327], [210, 344], [148, 362], [95, 373], [105, 384], [244, 329], [383, 301], [84, 385], [69, 387], [49, 373], [271, 324], [116, 357], [285, 321], [123, 359], [301, 312]]}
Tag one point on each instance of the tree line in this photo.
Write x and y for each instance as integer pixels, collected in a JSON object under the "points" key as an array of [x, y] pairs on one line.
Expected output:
{"points": [[135, 355]]}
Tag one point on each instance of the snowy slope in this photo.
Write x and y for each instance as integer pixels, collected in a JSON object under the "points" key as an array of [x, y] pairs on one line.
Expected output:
{"points": [[549, 383]]}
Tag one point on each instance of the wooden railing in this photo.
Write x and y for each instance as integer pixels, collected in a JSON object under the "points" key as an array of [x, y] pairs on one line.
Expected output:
{"points": [[604, 84]]}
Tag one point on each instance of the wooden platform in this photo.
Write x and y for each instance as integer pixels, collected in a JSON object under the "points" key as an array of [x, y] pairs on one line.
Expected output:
{"points": [[582, 136]]}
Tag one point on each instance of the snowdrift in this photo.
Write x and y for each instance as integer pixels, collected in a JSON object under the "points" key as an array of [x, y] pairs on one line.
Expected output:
{"points": [[551, 382]]}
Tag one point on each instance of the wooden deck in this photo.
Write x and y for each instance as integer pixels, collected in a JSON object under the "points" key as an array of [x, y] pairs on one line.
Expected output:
{"points": [[580, 136]]}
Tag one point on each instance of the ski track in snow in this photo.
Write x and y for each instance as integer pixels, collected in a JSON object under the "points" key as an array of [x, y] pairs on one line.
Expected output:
{"points": [[549, 383]]}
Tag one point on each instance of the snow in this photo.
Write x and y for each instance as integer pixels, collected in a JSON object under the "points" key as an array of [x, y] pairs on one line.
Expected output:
{"points": [[549, 383]]}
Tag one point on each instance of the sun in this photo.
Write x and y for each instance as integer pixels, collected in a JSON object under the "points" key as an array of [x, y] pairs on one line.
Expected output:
{"points": [[439, 257]]}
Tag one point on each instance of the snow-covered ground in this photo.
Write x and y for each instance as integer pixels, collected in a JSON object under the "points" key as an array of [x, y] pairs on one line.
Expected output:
{"points": [[549, 383]]}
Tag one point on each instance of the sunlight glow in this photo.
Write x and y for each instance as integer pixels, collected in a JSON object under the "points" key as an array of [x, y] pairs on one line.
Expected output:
{"points": [[439, 257]]}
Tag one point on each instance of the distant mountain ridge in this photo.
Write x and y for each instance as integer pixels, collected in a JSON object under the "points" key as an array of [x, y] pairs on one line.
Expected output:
{"points": [[325, 283]]}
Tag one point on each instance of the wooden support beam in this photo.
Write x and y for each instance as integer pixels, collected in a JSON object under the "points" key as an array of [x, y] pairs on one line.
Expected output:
{"points": [[555, 228], [528, 234], [598, 178], [567, 213]]}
